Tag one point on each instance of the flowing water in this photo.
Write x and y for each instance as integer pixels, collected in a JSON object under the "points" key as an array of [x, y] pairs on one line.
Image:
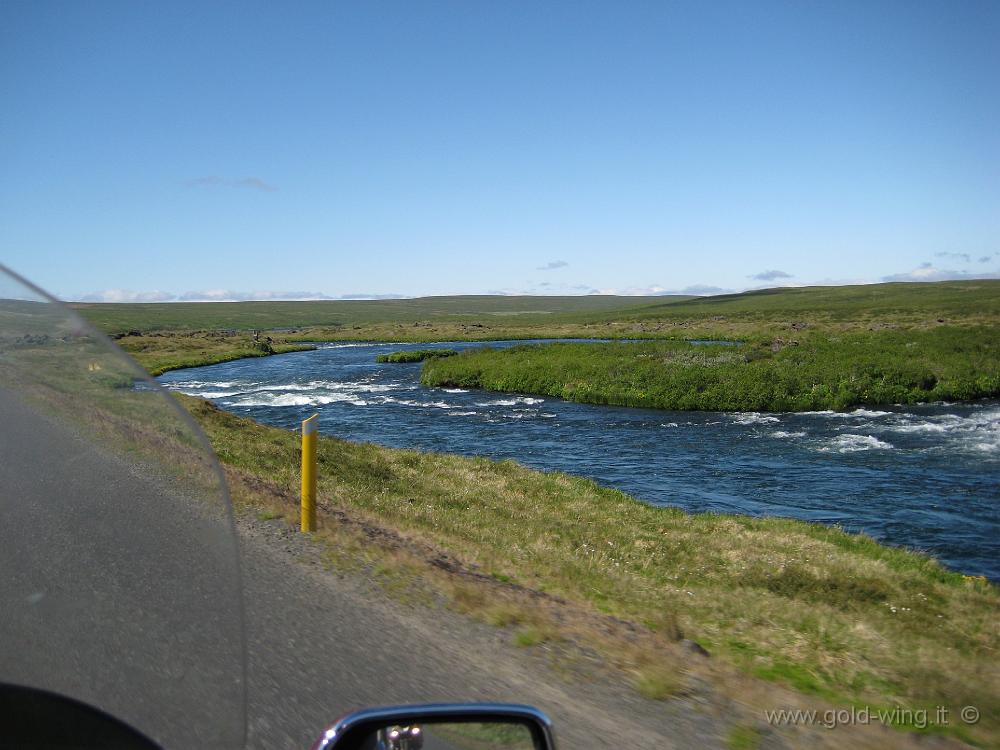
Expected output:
{"points": [[927, 477]]}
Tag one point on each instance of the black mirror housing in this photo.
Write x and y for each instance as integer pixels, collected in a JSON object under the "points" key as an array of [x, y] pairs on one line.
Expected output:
{"points": [[356, 730]]}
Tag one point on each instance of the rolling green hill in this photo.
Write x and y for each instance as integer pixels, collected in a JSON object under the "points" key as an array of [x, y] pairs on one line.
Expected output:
{"points": [[946, 298], [117, 318]]}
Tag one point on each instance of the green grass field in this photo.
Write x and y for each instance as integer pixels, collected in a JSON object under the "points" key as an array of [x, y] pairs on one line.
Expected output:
{"points": [[159, 353], [812, 371], [917, 302], [118, 318], [415, 355]]}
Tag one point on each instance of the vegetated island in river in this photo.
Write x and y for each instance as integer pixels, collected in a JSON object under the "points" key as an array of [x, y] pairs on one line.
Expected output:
{"points": [[801, 373], [417, 355]]}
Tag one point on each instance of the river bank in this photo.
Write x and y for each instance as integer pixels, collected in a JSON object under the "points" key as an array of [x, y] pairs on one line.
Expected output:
{"points": [[161, 352], [830, 614]]}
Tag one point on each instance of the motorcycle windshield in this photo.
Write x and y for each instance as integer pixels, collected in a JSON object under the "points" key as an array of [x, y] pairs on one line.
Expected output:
{"points": [[119, 569]]}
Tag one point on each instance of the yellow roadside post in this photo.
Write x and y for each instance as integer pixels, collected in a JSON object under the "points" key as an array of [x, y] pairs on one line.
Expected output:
{"points": [[310, 431]]}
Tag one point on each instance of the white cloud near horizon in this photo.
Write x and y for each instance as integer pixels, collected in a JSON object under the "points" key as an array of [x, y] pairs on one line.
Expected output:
{"points": [[930, 272], [702, 290], [656, 290], [652, 290], [223, 295], [126, 295], [228, 295]]}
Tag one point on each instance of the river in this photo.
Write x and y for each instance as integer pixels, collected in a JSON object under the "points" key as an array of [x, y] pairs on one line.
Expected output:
{"points": [[925, 477]]}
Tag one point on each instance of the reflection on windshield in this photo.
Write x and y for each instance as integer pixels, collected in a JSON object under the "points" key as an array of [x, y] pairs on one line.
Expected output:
{"points": [[121, 585]]}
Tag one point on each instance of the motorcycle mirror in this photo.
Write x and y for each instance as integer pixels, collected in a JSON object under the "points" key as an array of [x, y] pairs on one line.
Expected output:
{"points": [[479, 726]]}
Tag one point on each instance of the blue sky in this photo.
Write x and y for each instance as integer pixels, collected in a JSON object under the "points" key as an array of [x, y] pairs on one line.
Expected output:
{"points": [[248, 149]]}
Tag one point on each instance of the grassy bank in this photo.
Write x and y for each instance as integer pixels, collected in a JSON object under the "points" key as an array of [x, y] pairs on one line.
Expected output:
{"points": [[415, 355], [810, 371], [829, 614], [158, 353]]}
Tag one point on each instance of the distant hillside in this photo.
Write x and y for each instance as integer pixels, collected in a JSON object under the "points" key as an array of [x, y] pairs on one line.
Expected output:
{"points": [[481, 317], [115, 318], [956, 298]]}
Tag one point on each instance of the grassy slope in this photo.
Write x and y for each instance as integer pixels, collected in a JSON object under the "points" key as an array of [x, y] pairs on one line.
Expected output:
{"points": [[820, 371], [973, 301], [828, 613]]}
